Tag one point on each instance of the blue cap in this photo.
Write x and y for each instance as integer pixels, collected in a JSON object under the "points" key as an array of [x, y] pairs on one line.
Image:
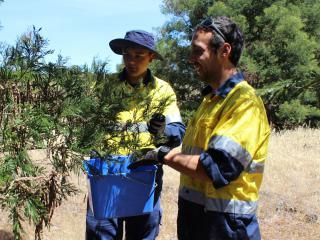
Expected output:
{"points": [[135, 38]]}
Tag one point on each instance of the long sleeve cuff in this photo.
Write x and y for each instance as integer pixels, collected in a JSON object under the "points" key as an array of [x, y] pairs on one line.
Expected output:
{"points": [[220, 167]]}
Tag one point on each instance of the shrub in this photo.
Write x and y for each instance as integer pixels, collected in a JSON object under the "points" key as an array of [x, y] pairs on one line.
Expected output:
{"points": [[293, 114]]}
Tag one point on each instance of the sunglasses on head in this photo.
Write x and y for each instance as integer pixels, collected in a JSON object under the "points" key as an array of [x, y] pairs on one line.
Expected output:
{"points": [[209, 23]]}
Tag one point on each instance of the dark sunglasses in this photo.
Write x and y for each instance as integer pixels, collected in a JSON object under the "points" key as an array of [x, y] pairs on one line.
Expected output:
{"points": [[209, 23]]}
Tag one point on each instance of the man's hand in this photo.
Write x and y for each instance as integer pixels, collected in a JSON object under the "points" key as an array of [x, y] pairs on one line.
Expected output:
{"points": [[157, 124], [153, 157]]}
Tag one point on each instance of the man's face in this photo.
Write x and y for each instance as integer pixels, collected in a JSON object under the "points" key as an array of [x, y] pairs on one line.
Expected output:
{"points": [[203, 56], [137, 61]]}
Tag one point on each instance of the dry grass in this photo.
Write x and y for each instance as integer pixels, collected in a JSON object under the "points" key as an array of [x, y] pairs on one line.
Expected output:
{"points": [[290, 194], [289, 204]]}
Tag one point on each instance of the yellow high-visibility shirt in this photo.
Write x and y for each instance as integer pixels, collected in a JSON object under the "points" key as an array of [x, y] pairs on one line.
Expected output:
{"points": [[235, 124], [152, 97]]}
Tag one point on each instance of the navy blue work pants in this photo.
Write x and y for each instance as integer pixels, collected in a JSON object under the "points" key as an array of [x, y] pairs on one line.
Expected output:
{"points": [[195, 223], [136, 227]]}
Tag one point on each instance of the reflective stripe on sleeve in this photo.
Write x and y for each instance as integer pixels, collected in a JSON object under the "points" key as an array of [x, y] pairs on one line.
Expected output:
{"points": [[139, 127], [218, 205], [252, 167], [231, 147], [231, 206], [255, 167]]}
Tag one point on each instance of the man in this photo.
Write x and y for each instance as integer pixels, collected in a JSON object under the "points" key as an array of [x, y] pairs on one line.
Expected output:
{"points": [[138, 51], [225, 146]]}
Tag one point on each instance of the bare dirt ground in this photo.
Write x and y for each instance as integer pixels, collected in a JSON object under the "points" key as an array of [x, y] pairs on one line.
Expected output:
{"points": [[289, 206]]}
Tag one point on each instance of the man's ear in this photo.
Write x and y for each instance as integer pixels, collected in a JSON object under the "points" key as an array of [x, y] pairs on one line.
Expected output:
{"points": [[226, 50]]}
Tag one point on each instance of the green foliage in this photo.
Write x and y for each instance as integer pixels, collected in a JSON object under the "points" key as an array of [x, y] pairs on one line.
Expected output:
{"points": [[292, 113], [33, 96], [65, 110], [313, 118], [282, 54], [70, 110], [309, 98], [99, 114]]}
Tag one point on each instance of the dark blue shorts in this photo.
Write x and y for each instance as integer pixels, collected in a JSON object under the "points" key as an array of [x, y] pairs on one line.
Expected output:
{"points": [[195, 223]]}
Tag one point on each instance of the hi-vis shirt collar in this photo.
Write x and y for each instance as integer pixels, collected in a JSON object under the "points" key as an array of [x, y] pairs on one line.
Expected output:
{"points": [[226, 87], [148, 78]]}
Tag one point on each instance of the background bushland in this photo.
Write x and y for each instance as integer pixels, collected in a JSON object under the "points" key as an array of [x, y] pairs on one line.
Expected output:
{"points": [[69, 110]]}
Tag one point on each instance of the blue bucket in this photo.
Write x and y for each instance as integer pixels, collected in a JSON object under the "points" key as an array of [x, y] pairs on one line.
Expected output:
{"points": [[116, 191]]}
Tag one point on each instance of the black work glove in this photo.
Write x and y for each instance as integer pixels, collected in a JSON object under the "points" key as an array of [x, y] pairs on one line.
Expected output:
{"points": [[157, 124], [152, 157]]}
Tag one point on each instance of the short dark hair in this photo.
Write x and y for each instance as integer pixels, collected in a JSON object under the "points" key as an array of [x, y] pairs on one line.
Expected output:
{"points": [[225, 30]]}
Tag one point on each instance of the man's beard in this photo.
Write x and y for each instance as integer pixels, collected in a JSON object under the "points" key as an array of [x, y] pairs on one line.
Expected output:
{"points": [[205, 77]]}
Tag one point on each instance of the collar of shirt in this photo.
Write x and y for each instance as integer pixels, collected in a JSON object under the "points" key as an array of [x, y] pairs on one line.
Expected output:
{"points": [[226, 87], [149, 78]]}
